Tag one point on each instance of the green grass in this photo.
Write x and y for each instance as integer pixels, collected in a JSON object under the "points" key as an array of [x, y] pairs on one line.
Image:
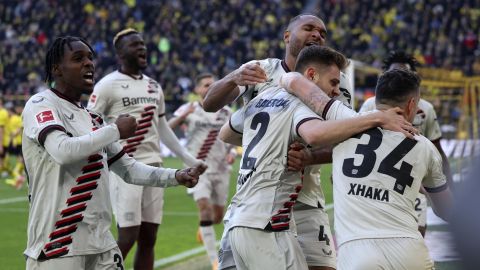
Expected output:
{"points": [[176, 234]]}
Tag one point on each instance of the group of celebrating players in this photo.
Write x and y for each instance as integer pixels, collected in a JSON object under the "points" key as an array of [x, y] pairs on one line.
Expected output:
{"points": [[82, 162]]}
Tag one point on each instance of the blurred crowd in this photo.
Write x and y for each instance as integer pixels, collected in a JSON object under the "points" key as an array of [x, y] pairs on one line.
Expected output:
{"points": [[187, 37]]}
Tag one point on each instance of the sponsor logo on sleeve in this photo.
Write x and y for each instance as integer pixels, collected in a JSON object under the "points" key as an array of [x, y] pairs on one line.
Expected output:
{"points": [[45, 117]]}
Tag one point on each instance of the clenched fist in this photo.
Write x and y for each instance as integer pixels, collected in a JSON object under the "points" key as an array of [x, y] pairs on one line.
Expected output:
{"points": [[189, 176], [127, 125]]}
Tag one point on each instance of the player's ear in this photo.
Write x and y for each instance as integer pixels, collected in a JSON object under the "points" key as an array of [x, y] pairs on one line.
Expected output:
{"points": [[310, 73], [286, 36], [56, 71]]}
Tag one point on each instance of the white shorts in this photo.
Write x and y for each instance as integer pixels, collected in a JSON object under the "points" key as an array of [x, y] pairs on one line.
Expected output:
{"points": [[225, 254], [133, 204], [421, 209], [108, 260], [256, 249], [213, 186], [314, 235], [384, 254]]}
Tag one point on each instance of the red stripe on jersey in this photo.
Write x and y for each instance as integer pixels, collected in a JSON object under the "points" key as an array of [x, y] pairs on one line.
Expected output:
{"points": [[83, 188], [284, 211], [130, 150], [294, 196], [145, 120], [144, 126], [57, 253], [94, 158], [299, 187], [130, 145], [62, 232], [92, 167], [288, 204], [147, 114], [58, 243], [149, 108], [69, 221], [141, 132], [79, 198], [135, 139], [89, 177], [277, 218], [73, 210]]}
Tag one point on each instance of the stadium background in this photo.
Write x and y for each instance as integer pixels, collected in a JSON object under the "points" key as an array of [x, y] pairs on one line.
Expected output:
{"points": [[185, 38]]}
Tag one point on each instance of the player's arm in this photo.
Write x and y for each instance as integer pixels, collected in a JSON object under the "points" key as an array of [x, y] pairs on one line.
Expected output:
{"points": [[137, 173], [232, 131], [65, 149], [312, 96], [180, 115], [172, 142], [445, 164], [436, 187], [300, 156], [226, 90]]}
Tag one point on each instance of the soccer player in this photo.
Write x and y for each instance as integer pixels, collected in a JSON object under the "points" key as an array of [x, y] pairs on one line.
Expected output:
{"points": [[251, 79], [259, 214], [202, 141], [376, 176], [68, 152], [14, 128], [3, 123], [137, 209], [425, 120]]}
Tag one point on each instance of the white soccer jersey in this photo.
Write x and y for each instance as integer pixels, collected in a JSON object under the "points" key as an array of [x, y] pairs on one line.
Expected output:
{"points": [[266, 191], [202, 134], [142, 98], [70, 211], [425, 119], [311, 193], [376, 178]]}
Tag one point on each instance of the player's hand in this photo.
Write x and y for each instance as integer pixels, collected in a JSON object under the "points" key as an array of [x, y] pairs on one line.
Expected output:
{"points": [[230, 158], [249, 74], [298, 156], [392, 119], [126, 125], [189, 176]]}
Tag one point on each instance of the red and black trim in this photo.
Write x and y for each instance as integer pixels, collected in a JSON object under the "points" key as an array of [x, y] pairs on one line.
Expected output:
{"points": [[285, 67], [73, 214], [143, 126], [436, 189], [42, 136], [207, 144], [303, 121], [116, 157], [327, 107]]}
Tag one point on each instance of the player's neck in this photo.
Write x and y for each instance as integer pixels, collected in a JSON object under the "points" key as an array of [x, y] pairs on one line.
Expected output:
{"points": [[67, 92], [290, 61], [130, 71]]}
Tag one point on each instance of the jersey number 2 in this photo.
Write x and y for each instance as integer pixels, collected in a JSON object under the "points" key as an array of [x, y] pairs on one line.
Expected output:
{"points": [[262, 119], [402, 175]]}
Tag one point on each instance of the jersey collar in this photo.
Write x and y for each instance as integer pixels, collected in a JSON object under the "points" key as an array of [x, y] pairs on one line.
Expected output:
{"points": [[62, 96], [131, 76], [285, 67]]}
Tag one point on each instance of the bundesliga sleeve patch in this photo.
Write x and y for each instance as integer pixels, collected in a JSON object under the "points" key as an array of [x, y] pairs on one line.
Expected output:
{"points": [[93, 98], [45, 117]]}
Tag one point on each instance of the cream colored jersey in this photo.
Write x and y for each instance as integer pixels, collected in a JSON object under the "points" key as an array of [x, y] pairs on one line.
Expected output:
{"points": [[376, 178], [142, 98], [70, 211], [266, 191], [425, 119], [311, 193], [202, 134]]}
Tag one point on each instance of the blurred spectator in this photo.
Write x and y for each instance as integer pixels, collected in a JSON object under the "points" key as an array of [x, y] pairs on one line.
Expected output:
{"points": [[185, 37]]}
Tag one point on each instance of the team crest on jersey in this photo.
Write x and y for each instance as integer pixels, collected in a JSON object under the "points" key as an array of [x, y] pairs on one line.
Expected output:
{"points": [[45, 117]]}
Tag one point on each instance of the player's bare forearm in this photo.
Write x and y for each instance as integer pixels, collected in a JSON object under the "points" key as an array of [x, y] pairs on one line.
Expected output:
{"points": [[220, 93], [446, 165], [309, 93], [228, 135], [321, 155], [175, 121]]}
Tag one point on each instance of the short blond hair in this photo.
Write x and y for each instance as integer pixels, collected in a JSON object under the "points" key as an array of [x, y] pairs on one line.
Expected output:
{"points": [[121, 34]]}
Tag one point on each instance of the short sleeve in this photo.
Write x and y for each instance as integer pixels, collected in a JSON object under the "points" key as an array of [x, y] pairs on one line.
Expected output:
{"points": [[368, 105], [100, 98], [39, 118], [435, 180], [236, 121], [336, 110], [301, 115], [432, 127]]}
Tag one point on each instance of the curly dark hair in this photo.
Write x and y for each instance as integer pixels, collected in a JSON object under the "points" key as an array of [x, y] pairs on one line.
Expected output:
{"points": [[400, 57]]}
